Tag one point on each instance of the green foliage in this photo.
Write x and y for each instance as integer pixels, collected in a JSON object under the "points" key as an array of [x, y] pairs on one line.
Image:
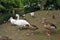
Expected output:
{"points": [[1, 7], [58, 2], [7, 6], [5, 17], [10, 4], [32, 5]]}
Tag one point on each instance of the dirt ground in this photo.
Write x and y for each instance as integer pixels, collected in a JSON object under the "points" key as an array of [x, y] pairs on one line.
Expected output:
{"points": [[15, 34]]}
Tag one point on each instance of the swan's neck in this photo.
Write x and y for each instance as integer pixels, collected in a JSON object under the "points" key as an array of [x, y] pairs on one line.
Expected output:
{"points": [[17, 17]]}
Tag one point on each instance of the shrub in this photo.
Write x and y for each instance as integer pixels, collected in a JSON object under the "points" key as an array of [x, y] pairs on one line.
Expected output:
{"points": [[5, 17]]}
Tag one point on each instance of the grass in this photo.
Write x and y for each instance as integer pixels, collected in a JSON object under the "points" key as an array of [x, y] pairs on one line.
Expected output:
{"points": [[11, 31]]}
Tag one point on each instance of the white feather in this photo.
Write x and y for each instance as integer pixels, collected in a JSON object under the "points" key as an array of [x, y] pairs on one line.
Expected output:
{"points": [[32, 13]]}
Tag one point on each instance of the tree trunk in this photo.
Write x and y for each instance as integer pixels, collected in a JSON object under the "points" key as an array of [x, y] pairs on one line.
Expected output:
{"points": [[43, 2]]}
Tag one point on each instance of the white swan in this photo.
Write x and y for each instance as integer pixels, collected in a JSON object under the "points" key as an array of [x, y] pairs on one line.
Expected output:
{"points": [[22, 24], [19, 22]]}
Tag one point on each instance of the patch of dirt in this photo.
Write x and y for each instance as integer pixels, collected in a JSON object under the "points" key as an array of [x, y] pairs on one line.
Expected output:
{"points": [[15, 34]]}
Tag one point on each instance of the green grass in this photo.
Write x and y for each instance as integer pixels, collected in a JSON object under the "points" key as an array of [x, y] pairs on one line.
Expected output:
{"points": [[11, 31]]}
